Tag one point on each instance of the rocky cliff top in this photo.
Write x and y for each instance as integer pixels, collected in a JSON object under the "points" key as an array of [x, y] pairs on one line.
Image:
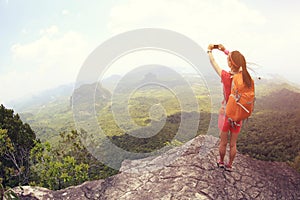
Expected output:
{"points": [[187, 172]]}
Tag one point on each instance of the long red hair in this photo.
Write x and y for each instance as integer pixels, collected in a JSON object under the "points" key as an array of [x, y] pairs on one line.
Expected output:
{"points": [[238, 60]]}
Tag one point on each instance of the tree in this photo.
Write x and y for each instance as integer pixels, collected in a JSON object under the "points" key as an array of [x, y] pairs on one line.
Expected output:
{"points": [[70, 144], [16, 141], [7, 152], [53, 172], [7, 194], [68, 163]]}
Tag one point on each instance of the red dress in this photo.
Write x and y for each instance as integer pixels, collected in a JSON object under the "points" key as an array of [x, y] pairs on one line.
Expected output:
{"points": [[223, 123]]}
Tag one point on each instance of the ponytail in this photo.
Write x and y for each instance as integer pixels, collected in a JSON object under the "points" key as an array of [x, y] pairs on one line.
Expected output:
{"points": [[246, 77], [238, 60]]}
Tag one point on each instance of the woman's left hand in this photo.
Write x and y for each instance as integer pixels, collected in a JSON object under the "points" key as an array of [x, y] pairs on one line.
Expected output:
{"points": [[221, 47]]}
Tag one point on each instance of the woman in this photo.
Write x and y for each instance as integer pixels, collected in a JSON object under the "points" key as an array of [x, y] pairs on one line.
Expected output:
{"points": [[237, 64]]}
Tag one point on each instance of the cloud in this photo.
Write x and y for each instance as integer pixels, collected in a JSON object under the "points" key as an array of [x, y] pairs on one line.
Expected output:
{"points": [[53, 59], [52, 30], [65, 12], [25, 31], [195, 18], [219, 21], [257, 31]]}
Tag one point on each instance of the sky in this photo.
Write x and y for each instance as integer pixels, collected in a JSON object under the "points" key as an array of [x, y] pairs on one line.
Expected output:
{"points": [[43, 44]]}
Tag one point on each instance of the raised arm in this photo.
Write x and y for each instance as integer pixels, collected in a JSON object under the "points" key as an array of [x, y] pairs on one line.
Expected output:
{"points": [[212, 59]]}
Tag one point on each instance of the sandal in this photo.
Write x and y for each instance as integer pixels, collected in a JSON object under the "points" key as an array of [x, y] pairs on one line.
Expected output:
{"points": [[220, 164], [228, 167]]}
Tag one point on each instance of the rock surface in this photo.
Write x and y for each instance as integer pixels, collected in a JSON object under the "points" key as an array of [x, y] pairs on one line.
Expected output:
{"points": [[187, 172]]}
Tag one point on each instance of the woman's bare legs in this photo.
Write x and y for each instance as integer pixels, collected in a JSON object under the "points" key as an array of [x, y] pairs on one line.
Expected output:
{"points": [[223, 144], [233, 139]]}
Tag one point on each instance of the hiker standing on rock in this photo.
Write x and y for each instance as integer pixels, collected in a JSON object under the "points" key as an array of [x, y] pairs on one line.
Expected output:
{"points": [[238, 70]]}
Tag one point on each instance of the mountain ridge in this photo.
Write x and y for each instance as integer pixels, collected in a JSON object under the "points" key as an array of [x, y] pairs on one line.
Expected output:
{"points": [[63, 106]]}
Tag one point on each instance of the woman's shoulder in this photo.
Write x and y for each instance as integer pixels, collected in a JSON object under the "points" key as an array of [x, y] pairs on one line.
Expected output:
{"points": [[225, 74]]}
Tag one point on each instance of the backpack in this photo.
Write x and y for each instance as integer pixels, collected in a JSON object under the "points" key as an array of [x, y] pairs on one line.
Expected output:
{"points": [[241, 100]]}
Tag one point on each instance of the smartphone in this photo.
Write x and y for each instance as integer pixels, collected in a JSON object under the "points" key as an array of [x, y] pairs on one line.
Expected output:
{"points": [[216, 46]]}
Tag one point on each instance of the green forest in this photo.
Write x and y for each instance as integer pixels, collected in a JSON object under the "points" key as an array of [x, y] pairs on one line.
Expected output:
{"points": [[46, 149]]}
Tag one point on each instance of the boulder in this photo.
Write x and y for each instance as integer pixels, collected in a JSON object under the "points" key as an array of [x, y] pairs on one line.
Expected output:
{"points": [[185, 172]]}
